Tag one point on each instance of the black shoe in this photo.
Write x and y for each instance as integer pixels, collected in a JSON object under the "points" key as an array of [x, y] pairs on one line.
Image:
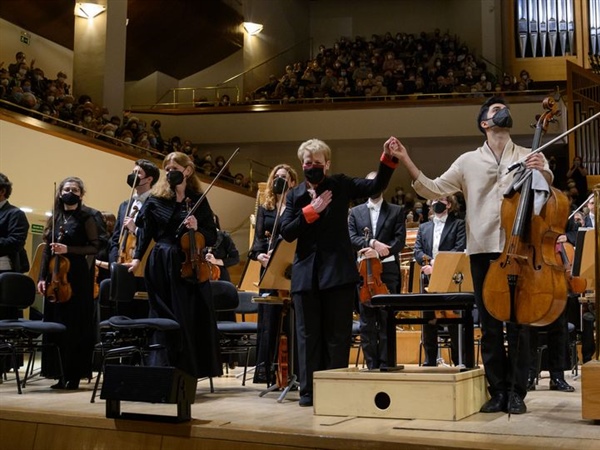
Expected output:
{"points": [[495, 404], [558, 384], [515, 404], [59, 385], [72, 385], [306, 400], [531, 384]]}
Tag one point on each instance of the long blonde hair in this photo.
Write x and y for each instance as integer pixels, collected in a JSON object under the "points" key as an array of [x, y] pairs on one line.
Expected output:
{"points": [[270, 201], [162, 188]]}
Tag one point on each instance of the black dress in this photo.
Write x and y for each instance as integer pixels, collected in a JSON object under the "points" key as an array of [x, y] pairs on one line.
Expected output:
{"points": [[269, 316], [195, 349], [80, 235]]}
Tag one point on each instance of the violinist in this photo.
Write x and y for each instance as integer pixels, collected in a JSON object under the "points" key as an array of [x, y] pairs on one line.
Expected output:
{"points": [[143, 177], [444, 232], [223, 254], [147, 176], [195, 348], [75, 237], [482, 176], [387, 226], [324, 272], [282, 178]]}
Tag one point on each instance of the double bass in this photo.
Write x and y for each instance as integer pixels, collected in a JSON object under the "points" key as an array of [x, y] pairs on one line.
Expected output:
{"points": [[526, 284]]}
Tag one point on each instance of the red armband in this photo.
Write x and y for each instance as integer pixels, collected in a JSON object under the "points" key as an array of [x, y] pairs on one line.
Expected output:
{"points": [[310, 214], [390, 161]]}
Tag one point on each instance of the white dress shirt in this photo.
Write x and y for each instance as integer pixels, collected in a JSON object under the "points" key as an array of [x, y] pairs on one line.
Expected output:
{"points": [[438, 227]]}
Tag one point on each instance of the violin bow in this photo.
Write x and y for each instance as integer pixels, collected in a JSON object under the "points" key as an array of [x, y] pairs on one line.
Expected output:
{"points": [[195, 207], [581, 206], [283, 194], [121, 234], [517, 164]]}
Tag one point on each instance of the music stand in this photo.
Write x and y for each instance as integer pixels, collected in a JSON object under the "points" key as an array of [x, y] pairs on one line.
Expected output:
{"points": [[452, 273], [277, 276], [250, 276], [585, 254]]}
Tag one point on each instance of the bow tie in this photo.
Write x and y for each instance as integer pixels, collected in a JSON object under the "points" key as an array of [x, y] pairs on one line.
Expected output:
{"points": [[440, 220]]}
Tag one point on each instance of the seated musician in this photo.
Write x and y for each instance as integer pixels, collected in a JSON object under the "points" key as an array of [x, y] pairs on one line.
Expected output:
{"points": [[444, 232]]}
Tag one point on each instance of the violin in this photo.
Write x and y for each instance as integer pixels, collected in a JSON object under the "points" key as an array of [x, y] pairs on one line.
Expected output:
{"points": [[58, 288], [370, 271], [127, 241], [526, 285], [194, 268], [215, 270], [564, 255]]}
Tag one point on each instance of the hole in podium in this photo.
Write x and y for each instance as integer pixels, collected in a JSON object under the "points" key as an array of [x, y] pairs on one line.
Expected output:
{"points": [[382, 400]]}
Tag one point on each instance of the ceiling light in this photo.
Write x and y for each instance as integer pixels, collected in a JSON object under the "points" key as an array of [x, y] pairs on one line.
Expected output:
{"points": [[88, 10], [252, 28]]}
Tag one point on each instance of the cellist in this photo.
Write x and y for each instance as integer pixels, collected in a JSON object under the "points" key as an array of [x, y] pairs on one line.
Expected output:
{"points": [[482, 176], [387, 227]]}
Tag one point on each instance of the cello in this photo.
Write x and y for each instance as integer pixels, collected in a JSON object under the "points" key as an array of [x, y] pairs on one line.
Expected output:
{"points": [[526, 284]]}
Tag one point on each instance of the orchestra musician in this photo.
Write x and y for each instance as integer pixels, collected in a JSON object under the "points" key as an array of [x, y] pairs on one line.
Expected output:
{"points": [[268, 214], [195, 348], [324, 272], [482, 176], [14, 227], [75, 237], [444, 232], [124, 234], [387, 226]]}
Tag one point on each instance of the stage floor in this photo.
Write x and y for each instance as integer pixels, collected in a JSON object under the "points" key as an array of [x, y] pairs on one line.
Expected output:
{"points": [[235, 416]]}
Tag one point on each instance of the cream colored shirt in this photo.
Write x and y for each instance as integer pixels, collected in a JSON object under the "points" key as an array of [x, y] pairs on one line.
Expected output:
{"points": [[483, 182]]}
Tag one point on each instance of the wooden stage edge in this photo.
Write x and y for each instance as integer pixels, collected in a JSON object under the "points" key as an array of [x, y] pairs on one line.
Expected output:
{"points": [[235, 416]]}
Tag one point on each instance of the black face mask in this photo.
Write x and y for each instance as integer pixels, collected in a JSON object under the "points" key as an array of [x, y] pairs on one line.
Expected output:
{"points": [[439, 208], [502, 118], [279, 185], [314, 174], [175, 177], [131, 179], [70, 198]]}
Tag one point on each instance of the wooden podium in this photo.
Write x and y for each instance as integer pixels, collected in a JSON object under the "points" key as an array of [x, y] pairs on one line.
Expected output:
{"points": [[435, 393], [586, 265]]}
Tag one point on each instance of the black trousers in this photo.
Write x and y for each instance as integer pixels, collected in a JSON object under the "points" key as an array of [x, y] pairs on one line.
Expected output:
{"points": [[558, 346], [323, 330], [504, 369], [373, 321]]}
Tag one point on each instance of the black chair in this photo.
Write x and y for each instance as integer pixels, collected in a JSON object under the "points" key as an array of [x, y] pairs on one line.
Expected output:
{"points": [[22, 336], [130, 341], [355, 343], [125, 339], [237, 337]]}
